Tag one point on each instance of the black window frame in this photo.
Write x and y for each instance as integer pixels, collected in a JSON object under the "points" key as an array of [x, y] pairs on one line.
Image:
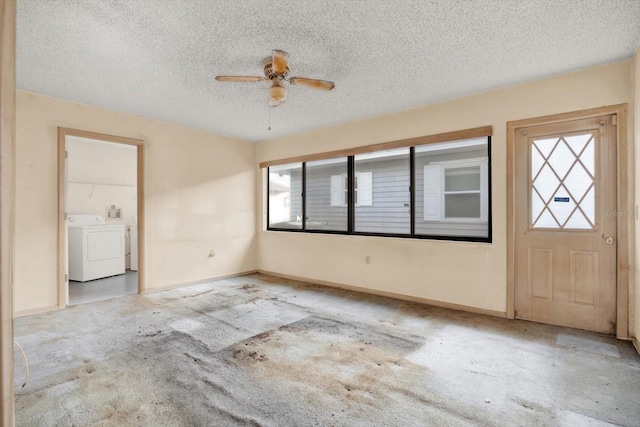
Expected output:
{"points": [[412, 234]]}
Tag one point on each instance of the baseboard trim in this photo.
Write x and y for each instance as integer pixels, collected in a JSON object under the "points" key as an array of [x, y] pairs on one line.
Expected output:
{"points": [[197, 282], [32, 311], [393, 295], [636, 344]]}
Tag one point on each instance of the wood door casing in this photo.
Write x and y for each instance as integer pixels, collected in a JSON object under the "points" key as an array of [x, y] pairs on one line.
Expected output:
{"points": [[565, 269]]}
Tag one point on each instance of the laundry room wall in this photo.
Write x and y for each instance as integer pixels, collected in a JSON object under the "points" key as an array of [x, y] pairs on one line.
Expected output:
{"points": [[199, 196], [100, 175]]}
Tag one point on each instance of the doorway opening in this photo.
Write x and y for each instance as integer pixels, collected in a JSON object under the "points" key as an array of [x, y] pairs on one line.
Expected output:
{"points": [[101, 217], [567, 224]]}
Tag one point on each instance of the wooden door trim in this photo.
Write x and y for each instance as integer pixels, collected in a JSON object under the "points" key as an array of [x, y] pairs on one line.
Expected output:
{"points": [[62, 189], [624, 224], [7, 205]]}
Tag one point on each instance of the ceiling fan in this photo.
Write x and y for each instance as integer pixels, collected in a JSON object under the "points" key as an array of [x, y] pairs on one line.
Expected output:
{"points": [[276, 70]]}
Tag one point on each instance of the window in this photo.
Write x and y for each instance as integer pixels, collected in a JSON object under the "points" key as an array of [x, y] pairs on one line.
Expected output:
{"points": [[326, 201], [363, 189], [439, 190], [285, 196], [453, 192], [383, 205], [462, 192]]}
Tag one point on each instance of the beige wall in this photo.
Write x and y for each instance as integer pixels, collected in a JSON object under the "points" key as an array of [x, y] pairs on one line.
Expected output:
{"points": [[635, 120], [469, 274], [100, 175], [199, 196]]}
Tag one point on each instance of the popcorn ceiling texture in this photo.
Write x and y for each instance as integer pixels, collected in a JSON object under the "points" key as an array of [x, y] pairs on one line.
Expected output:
{"points": [[158, 58]]}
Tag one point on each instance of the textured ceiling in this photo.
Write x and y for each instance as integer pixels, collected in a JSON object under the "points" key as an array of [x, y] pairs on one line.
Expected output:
{"points": [[158, 58]]}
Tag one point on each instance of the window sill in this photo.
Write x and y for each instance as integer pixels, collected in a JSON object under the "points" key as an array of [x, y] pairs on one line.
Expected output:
{"points": [[452, 239]]}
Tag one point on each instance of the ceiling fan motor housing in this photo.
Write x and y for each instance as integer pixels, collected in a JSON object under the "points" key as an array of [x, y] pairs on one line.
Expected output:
{"points": [[267, 65]]}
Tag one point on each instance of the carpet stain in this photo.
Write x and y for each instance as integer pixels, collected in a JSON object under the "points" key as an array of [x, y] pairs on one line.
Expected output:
{"points": [[267, 352]]}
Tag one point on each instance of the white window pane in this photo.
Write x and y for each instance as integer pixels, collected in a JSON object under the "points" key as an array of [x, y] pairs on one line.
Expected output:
{"points": [[451, 188], [325, 207], [462, 179], [285, 196], [382, 194], [462, 205]]}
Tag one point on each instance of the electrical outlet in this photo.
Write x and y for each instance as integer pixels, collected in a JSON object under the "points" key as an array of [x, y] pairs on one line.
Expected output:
{"points": [[212, 253], [367, 259], [113, 212]]}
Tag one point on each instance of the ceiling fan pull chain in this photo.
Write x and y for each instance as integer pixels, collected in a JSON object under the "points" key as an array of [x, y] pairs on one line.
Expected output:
{"points": [[269, 108]]}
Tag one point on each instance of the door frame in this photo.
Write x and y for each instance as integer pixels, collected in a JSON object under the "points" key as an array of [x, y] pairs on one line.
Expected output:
{"points": [[625, 224], [62, 205], [7, 204]]}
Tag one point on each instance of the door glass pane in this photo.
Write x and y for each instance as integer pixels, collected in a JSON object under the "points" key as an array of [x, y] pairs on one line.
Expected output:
{"points": [[588, 206], [577, 142], [546, 183], [537, 205], [545, 145], [566, 202], [325, 192], [578, 181], [536, 162], [561, 159], [546, 220], [285, 196], [578, 220], [588, 157], [562, 205]]}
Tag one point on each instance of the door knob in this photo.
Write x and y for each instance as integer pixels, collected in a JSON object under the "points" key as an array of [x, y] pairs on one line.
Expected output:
{"points": [[609, 240]]}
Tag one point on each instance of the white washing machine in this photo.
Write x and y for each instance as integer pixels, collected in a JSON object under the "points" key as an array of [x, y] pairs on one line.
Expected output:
{"points": [[96, 249]]}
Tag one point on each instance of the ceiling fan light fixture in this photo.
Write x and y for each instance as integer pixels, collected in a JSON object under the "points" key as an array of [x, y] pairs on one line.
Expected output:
{"points": [[276, 70], [277, 93]]}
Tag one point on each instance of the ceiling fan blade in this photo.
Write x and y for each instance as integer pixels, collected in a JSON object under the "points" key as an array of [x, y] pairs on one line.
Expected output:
{"points": [[239, 79], [316, 84], [279, 61]]}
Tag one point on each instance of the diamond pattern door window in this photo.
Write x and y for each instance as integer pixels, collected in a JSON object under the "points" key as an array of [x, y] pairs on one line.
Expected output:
{"points": [[562, 182]]}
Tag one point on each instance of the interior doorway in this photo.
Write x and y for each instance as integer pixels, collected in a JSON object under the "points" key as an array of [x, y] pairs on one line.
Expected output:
{"points": [[101, 217], [567, 238]]}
